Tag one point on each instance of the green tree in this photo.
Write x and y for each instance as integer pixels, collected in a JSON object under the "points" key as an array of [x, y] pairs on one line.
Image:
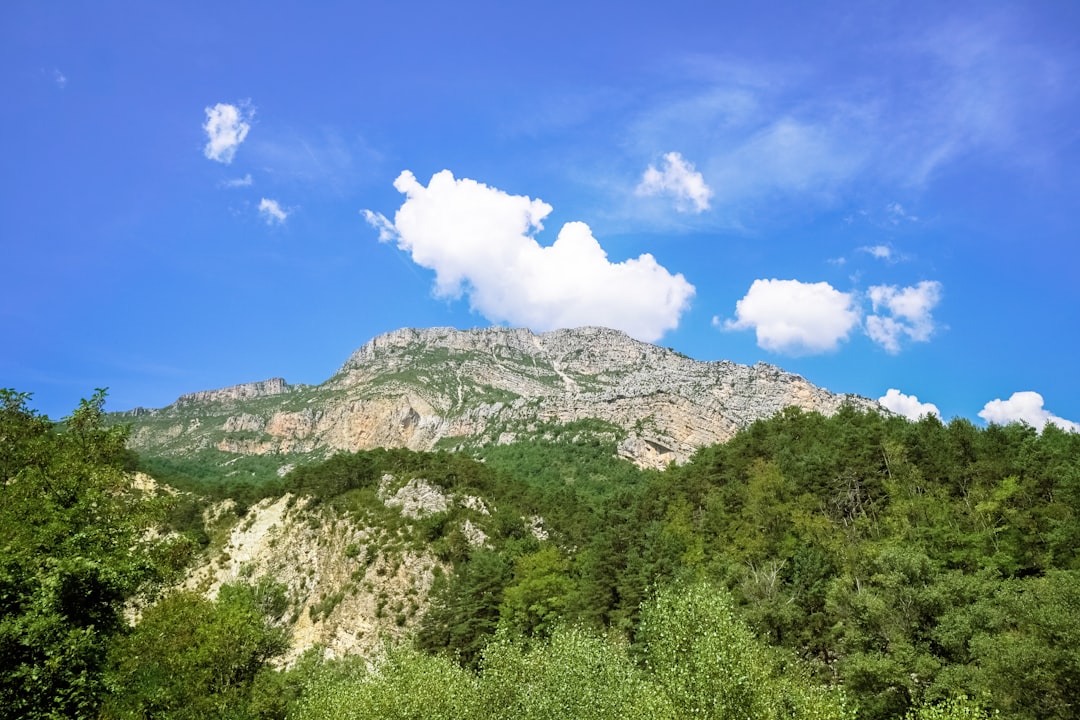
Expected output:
{"points": [[404, 685], [539, 593], [464, 612], [711, 666], [70, 553], [191, 658], [574, 673]]}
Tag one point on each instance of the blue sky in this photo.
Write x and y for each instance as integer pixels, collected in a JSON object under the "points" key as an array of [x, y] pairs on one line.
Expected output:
{"points": [[881, 197]]}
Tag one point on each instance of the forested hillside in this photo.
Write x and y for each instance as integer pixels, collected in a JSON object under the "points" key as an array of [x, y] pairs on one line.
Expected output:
{"points": [[812, 567]]}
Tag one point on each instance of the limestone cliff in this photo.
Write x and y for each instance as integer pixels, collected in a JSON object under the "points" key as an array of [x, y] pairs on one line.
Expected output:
{"points": [[451, 388], [352, 580]]}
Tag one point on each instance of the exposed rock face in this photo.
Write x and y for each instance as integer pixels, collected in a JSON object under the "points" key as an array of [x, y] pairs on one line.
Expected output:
{"points": [[415, 388], [347, 591], [273, 386], [416, 499]]}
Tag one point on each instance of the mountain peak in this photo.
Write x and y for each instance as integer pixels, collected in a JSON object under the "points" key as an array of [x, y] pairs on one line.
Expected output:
{"points": [[422, 388]]}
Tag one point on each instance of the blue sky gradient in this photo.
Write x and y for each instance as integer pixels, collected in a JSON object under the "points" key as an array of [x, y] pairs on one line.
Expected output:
{"points": [[876, 196]]}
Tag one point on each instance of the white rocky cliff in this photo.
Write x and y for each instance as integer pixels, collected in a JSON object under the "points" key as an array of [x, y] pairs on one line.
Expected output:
{"points": [[416, 388]]}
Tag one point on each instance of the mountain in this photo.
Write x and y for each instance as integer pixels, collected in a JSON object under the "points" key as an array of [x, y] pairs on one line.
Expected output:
{"points": [[443, 388]]}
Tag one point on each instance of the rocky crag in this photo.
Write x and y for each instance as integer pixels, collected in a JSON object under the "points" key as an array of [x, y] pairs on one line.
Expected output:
{"points": [[446, 388], [350, 585]]}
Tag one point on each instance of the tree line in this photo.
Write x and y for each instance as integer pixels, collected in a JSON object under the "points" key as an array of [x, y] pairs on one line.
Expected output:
{"points": [[857, 565]]}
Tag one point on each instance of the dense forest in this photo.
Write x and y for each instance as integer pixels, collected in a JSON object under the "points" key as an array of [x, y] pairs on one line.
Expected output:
{"points": [[855, 566]]}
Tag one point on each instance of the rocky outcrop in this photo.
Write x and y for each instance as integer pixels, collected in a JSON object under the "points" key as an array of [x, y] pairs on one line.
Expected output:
{"points": [[348, 592], [415, 388], [246, 391]]}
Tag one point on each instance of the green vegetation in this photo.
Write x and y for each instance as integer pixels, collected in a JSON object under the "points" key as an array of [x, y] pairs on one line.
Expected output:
{"points": [[190, 658], [909, 563], [70, 553], [695, 659], [853, 566]]}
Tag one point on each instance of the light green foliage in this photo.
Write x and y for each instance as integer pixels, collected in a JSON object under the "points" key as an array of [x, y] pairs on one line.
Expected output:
{"points": [[700, 661], [960, 708], [711, 666], [574, 674], [405, 685]]}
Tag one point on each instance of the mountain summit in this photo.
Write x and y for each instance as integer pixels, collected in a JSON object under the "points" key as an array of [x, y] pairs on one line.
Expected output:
{"points": [[447, 388]]}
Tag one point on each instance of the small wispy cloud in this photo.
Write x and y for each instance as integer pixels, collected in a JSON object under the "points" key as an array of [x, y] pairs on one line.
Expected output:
{"points": [[768, 132], [677, 177], [226, 127], [272, 212], [896, 214], [387, 231], [246, 181], [60, 79], [881, 252], [1025, 406], [907, 405], [324, 156]]}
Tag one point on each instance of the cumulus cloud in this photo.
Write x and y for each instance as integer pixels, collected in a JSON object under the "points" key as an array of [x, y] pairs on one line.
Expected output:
{"points": [[272, 212], [678, 178], [60, 79], [902, 313], [1026, 406], [796, 317], [907, 405], [480, 242], [226, 127], [800, 318]]}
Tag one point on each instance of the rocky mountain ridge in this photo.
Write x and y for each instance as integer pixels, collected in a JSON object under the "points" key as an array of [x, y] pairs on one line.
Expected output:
{"points": [[446, 388]]}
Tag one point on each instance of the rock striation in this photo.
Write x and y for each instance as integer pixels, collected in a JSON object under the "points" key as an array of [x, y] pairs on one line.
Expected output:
{"points": [[441, 387]]}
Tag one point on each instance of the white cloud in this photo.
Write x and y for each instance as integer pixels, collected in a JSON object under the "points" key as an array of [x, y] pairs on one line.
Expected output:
{"points": [[480, 242], [387, 231], [677, 178], [60, 79], [1025, 407], [881, 252], [800, 318], [245, 181], [226, 127], [272, 212], [909, 313], [907, 405], [796, 317]]}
